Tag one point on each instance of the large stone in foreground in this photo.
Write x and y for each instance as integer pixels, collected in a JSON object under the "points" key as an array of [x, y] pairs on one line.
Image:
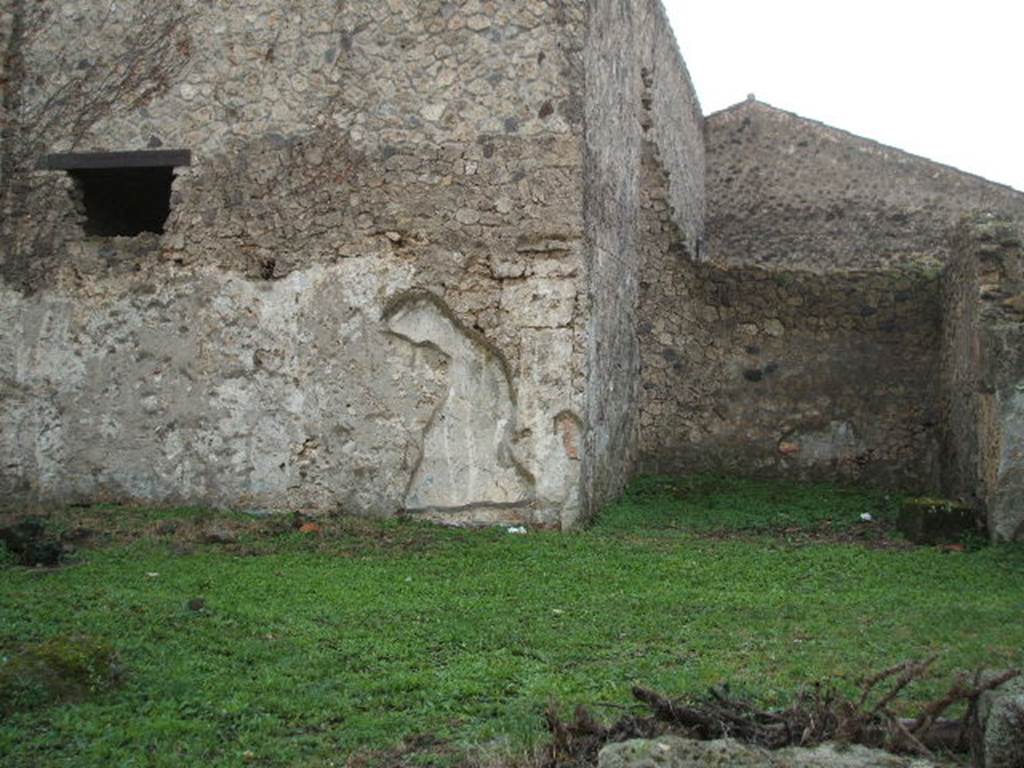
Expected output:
{"points": [[676, 752], [1002, 717]]}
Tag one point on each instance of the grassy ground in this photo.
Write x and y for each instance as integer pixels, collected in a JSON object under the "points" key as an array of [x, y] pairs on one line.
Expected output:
{"points": [[340, 647]]}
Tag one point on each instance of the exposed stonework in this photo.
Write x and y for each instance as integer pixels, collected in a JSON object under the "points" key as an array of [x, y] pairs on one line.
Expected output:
{"points": [[784, 372], [448, 259], [343, 155], [638, 92], [839, 331], [983, 353], [788, 192]]}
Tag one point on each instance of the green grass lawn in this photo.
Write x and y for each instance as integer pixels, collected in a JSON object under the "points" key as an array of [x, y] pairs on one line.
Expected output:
{"points": [[333, 648]]}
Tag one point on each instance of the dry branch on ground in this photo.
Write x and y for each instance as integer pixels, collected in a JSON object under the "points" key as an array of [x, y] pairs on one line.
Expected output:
{"points": [[817, 715]]}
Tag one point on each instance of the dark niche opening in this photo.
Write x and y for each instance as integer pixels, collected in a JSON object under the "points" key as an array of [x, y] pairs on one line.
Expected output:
{"points": [[124, 201], [123, 193]]}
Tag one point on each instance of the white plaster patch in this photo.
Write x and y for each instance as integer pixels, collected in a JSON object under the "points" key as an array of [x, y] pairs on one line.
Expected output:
{"points": [[466, 456]]}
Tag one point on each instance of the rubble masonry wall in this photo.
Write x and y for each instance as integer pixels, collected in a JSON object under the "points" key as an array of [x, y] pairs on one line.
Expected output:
{"points": [[369, 295]]}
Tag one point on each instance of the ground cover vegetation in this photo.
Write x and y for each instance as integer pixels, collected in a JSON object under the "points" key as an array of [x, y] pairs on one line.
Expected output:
{"points": [[201, 638]]}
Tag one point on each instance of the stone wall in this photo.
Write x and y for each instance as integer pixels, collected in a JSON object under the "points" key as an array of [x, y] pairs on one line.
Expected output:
{"points": [[673, 124], [637, 92], [612, 97], [788, 192], [983, 372], [961, 360], [784, 372], [448, 259], [369, 295]]}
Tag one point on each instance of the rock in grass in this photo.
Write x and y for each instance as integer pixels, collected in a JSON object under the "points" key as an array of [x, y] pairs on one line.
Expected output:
{"points": [[62, 669], [218, 534], [30, 543], [167, 527], [1001, 714], [936, 521], [676, 752], [833, 755]]}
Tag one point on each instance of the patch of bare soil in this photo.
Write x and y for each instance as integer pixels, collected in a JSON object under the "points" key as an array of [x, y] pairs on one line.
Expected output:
{"points": [[873, 535], [51, 538], [414, 752]]}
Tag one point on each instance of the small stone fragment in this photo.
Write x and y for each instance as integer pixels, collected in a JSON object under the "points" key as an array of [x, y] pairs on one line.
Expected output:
{"points": [[219, 535], [432, 112]]}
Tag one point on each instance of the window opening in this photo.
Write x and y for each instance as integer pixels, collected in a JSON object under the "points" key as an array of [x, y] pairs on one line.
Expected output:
{"points": [[123, 193]]}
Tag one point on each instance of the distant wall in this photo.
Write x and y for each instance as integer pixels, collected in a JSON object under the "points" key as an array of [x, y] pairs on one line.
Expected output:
{"points": [[782, 372], [788, 192], [983, 372], [637, 92]]}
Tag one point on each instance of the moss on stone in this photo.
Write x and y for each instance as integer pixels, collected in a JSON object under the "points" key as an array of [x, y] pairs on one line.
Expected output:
{"points": [[61, 669], [927, 520]]}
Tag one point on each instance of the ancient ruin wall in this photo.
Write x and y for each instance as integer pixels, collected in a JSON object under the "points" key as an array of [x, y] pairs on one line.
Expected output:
{"points": [[983, 372], [673, 125], [788, 192], [383, 196], [961, 361], [637, 92], [782, 372]]}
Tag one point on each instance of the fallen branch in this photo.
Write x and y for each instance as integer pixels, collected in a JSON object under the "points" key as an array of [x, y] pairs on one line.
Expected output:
{"points": [[672, 712], [911, 671], [958, 693], [817, 715]]}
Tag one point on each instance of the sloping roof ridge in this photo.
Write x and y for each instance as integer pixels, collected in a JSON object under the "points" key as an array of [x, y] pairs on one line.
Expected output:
{"points": [[739, 105], [753, 103]]}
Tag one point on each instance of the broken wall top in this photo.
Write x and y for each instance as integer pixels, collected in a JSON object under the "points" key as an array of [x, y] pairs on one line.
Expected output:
{"points": [[790, 192]]}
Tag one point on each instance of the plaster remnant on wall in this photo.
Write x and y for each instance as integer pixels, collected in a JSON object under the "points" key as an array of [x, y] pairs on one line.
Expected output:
{"points": [[569, 428], [467, 457], [836, 443]]}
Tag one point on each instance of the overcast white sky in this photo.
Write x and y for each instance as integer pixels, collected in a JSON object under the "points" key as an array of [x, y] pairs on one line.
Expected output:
{"points": [[940, 79]]}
